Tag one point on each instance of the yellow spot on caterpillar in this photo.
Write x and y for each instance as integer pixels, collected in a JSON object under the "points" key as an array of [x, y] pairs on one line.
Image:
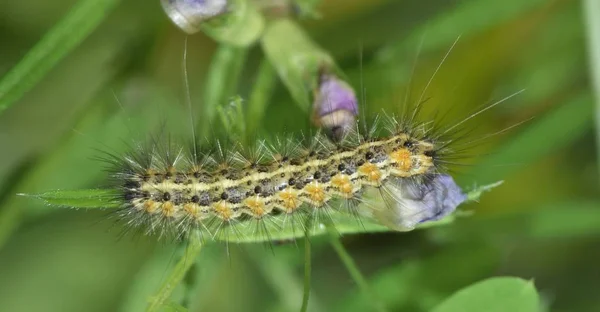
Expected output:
{"points": [[192, 210], [223, 210], [316, 193], [204, 179], [402, 159], [347, 189], [150, 206], [256, 205], [371, 171], [342, 182], [290, 200], [339, 180], [168, 209]]}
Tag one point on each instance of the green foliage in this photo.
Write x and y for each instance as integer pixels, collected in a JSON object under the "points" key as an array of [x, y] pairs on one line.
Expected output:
{"points": [[494, 295], [242, 27], [224, 75], [245, 232], [541, 224], [89, 199], [175, 278], [298, 61], [56, 44]]}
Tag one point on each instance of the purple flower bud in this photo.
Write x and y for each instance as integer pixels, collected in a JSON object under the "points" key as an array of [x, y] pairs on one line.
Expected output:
{"points": [[415, 203], [190, 14], [335, 107]]}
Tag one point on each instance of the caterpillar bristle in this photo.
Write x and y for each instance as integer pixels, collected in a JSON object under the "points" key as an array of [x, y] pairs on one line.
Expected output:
{"points": [[214, 188]]}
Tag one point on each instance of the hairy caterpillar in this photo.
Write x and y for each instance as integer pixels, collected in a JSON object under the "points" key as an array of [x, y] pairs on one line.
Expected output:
{"points": [[393, 171], [195, 190], [174, 190]]}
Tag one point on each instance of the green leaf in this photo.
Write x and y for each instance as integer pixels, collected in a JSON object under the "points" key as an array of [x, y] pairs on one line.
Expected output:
{"points": [[173, 307], [565, 220], [593, 32], [424, 280], [308, 8], [223, 77], [157, 301], [89, 199], [468, 18], [253, 232], [279, 227], [296, 58], [495, 294], [478, 191], [574, 117], [56, 44], [355, 272], [241, 28], [148, 279], [232, 117], [262, 91]]}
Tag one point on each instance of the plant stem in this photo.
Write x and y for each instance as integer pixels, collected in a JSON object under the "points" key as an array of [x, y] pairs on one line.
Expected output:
{"points": [[259, 98], [75, 26], [592, 14], [222, 80], [307, 271], [282, 279], [355, 273], [181, 268]]}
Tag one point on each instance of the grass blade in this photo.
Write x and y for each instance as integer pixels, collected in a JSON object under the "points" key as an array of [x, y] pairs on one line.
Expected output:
{"points": [[350, 265], [494, 294], [89, 199], [592, 15], [307, 271], [56, 44], [181, 268]]}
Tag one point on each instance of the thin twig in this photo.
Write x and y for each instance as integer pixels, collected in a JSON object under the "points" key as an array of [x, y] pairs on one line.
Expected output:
{"points": [[181, 268], [592, 13], [307, 271], [355, 273]]}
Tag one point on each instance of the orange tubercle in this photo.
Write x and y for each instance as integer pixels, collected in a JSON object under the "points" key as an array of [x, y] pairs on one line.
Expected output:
{"points": [[315, 192], [290, 200], [192, 209], [223, 210], [339, 180], [256, 205], [150, 206], [371, 171], [343, 184], [347, 189], [402, 160], [168, 209]]}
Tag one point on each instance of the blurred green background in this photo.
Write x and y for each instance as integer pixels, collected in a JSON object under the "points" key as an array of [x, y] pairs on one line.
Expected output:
{"points": [[543, 223]]}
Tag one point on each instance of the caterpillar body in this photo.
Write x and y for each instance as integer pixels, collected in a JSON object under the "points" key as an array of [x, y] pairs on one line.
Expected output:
{"points": [[175, 191], [172, 190]]}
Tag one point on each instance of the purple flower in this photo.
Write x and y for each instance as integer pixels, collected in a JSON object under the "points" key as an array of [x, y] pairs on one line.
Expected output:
{"points": [[415, 203], [190, 14], [335, 107]]}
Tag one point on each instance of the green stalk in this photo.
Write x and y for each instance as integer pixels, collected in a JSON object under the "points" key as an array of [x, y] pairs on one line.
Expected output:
{"points": [[181, 268], [222, 80], [355, 273], [264, 85], [71, 30], [592, 14], [307, 270]]}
